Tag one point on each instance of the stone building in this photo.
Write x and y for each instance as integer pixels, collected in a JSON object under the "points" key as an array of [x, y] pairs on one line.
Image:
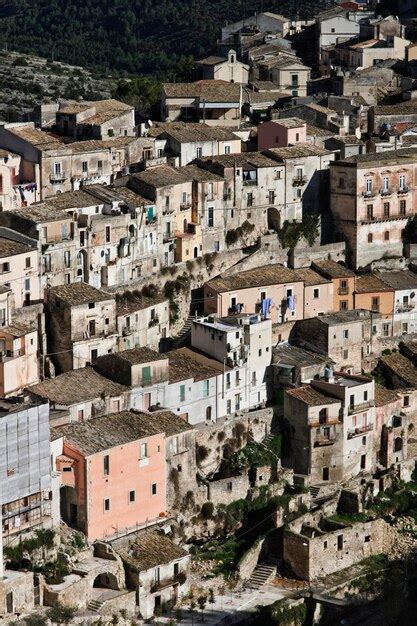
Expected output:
{"points": [[372, 197], [274, 291], [19, 365], [15, 189], [142, 321], [81, 325], [229, 70], [108, 489], [19, 268], [101, 119], [391, 428], [157, 569], [374, 294], [346, 337], [292, 365], [316, 546], [79, 395], [343, 280], [404, 287]]}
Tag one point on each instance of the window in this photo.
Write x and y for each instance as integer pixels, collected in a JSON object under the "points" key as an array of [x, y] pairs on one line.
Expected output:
{"points": [[107, 504], [370, 238], [375, 304], [404, 329], [94, 354], [146, 375], [208, 413], [385, 183], [345, 334], [57, 169], [326, 473], [153, 489], [316, 293], [340, 542], [175, 444], [99, 165], [370, 211], [108, 234], [341, 183], [67, 258], [271, 197], [206, 388], [345, 354], [325, 545], [5, 267], [229, 487], [182, 393], [386, 235], [199, 153], [253, 379], [363, 461], [249, 199], [144, 450], [297, 137], [406, 401], [369, 185], [386, 209], [27, 284], [385, 330], [85, 167], [184, 197], [402, 182], [227, 150], [343, 305], [106, 465], [229, 407], [210, 217], [323, 416], [27, 262], [403, 207]]}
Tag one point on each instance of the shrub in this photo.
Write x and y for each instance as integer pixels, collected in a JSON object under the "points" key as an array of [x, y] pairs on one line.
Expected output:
{"points": [[201, 453], [207, 510], [34, 620], [61, 614]]}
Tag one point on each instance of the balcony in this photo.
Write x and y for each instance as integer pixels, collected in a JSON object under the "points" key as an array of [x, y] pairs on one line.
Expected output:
{"points": [[357, 408], [358, 432], [386, 191], [150, 221], [405, 307], [369, 193], [168, 210], [322, 440], [210, 197], [184, 206], [403, 190], [153, 322], [167, 237], [57, 177], [126, 331], [343, 291], [299, 181]]}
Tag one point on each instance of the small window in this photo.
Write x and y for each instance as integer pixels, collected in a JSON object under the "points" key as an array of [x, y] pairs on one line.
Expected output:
{"points": [[316, 293], [370, 238], [91, 305], [107, 504], [367, 538], [108, 234], [143, 450], [386, 235], [406, 401], [106, 465], [132, 496], [345, 334], [153, 489], [325, 545], [27, 262], [182, 393], [340, 542]]}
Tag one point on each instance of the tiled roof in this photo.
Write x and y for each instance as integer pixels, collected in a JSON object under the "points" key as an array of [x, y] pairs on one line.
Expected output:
{"points": [[384, 396], [290, 122], [37, 138], [8, 247], [244, 159], [212, 60], [76, 386], [126, 306], [346, 317], [258, 277], [170, 423], [370, 282], [103, 433], [77, 294], [211, 91], [316, 131], [41, 212], [332, 269], [408, 106], [398, 280], [136, 356], [200, 174], [310, 277], [390, 157], [294, 355], [101, 106], [149, 550], [187, 364], [71, 200], [164, 176], [401, 366], [300, 150], [311, 396], [194, 132]]}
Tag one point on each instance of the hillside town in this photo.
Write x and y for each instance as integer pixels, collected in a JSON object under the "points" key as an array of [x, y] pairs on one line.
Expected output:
{"points": [[208, 338]]}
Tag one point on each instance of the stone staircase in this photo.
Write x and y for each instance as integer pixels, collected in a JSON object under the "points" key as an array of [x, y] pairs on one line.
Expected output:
{"points": [[182, 336], [261, 575], [314, 491], [95, 605]]}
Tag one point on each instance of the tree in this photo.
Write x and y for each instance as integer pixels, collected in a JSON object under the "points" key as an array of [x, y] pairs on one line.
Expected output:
{"points": [[61, 614], [202, 600]]}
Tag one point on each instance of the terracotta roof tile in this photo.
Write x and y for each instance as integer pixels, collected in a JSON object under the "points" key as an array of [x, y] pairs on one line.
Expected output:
{"points": [[258, 277]]}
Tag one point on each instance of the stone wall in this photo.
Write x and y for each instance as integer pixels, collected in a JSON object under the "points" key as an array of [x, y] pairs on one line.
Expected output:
{"points": [[20, 585], [213, 437], [125, 600], [304, 256], [249, 560], [227, 490]]}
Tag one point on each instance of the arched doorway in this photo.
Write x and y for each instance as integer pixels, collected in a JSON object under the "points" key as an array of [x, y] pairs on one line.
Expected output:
{"points": [[106, 580], [82, 266], [195, 252]]}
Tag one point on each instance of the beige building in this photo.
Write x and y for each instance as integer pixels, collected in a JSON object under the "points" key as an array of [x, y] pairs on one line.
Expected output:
{"points": [[227, 69], [102, 119], [15, 189], [274, 291], [19, 270], [213, 102], [142, 321], [318, 293], [372, 197], [81, 325], [18, 359], [364, 54]]}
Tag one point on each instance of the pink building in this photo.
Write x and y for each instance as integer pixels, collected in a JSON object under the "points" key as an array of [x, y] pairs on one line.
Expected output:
{"points": [[274, 291], [114, 474], [281, 133]]}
